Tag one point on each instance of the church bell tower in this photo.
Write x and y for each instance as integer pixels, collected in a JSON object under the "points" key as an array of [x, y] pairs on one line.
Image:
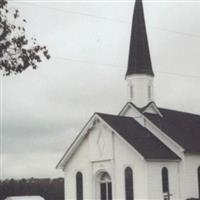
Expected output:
{"points": [[139, 75]]}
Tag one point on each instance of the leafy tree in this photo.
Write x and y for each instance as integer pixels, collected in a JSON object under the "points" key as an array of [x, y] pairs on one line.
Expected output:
{"points": [[17, 53], [49, 189]]}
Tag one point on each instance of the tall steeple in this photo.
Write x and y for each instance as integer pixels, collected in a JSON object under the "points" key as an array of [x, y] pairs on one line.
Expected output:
{"points": [[139, 55], [139, 72]]}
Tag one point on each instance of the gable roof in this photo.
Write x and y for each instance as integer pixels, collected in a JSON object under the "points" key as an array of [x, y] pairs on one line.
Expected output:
{"points": [[150, 147], [139, 56], [127, 105], [142, 140], [151, 107], [183, 128]]}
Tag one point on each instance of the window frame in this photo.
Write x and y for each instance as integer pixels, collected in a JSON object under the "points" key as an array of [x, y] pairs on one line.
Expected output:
{"points": [[79, 186], [149, 92], [129, 183], [165, 180], [105, 182], [131, 88]]}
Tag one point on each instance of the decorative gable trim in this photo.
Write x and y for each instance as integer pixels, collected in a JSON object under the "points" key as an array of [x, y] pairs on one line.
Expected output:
{"points": [[175, 147], [151, 108], [81, 136], [155, 130], [128, 106], [77, 141], [119, 136]]}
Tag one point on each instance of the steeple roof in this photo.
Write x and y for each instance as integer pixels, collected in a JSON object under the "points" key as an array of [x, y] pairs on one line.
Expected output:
{"points": [[139, 56]]}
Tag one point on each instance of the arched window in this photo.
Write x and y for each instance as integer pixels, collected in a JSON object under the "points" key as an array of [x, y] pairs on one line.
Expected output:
{"points": [[149, 92], [165, 180], [199, 180], [79, 186], [131, 92], [129, 184], [105, 186]]}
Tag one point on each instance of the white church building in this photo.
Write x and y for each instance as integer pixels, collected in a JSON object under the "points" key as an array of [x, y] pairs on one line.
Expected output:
{"points": [[143, 152]]}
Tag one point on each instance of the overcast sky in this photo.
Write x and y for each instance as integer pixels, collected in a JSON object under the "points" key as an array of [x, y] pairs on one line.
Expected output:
{"points": [[44, 110]]}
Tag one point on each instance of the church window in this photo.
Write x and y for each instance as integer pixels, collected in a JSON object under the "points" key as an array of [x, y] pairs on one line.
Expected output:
{"points": [[105, 187], [165, 183], [79, 186], [199, 180], [149, 92], [129, 184], [131, 92]]}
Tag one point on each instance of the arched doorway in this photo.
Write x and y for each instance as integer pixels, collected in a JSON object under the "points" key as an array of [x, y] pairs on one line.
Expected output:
{"points": [[104, 186]]}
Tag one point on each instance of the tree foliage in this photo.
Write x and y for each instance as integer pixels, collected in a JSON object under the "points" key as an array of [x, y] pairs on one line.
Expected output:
{"points": [[17, 53], [49, 189]]}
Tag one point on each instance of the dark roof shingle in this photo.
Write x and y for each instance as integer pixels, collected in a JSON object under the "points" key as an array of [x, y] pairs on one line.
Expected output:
{"points": [[183, 128], [139, 137]]}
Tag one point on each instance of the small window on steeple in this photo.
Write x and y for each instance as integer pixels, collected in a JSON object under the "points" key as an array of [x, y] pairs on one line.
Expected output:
{"points": [[149, 93], [131, 92]]}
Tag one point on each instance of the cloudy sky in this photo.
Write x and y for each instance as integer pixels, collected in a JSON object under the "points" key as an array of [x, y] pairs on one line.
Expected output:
{"points": [[44, 110]]}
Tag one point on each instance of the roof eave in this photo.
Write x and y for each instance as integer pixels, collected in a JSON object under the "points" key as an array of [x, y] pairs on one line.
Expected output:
{"points": [[130, 76], [68, 153], [164, 160]]}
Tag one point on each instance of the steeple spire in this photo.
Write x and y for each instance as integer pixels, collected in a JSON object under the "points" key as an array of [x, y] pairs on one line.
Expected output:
{"points": [[139, 55], [139, 75]]}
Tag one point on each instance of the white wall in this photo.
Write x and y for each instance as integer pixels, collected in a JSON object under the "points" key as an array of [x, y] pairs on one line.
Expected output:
{"points": [[124, 157], [183, 179], [155, 179], [78, 162], [189, 179], [114, 162], [114, 155], [100, 144]]}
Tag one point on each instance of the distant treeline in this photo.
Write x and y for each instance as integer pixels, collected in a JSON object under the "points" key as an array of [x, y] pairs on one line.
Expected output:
{"points": [[49, 189]]}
